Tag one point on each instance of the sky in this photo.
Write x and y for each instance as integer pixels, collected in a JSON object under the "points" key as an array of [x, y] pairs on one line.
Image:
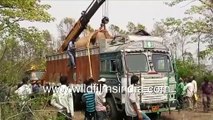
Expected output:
{"points": [[120, 12]]}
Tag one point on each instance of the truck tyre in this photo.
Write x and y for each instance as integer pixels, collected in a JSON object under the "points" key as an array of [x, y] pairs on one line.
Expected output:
{"points": [[112, 113], [154, 116]]}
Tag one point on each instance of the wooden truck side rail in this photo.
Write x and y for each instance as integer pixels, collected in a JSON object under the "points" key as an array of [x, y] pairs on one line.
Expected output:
{"points": [[57, 65]]}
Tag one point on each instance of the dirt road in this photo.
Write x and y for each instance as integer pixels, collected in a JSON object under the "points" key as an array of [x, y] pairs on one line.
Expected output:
{"points": [[183, 115], [188, 115]]}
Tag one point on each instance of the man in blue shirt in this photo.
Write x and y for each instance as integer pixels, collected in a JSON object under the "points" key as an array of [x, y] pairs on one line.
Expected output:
{"points": [[89, 99]]}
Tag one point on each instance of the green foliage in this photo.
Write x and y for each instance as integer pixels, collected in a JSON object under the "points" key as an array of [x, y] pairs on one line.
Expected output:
{"points": [[29, 10], [185, 68], [159, 30], [115, 30], [197, 27], [13, 110], [188, 68], [20, 47], [131, 27]]}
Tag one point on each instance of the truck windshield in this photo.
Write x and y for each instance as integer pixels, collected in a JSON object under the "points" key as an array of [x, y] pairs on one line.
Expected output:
{"points": [[136, 62], [161, 63]]}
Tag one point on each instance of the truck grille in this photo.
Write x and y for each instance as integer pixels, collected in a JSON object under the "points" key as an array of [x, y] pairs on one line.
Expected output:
{"points": [[156, 90]]}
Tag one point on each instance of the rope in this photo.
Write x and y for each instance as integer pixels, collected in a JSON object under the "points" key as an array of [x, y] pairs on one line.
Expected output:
{"points": [[90, 65], [88, 52]]}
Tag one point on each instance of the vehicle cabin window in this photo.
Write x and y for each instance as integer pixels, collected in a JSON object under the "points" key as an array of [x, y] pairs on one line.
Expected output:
{"points": [[136, 62], [161, 63], [108, 66], [112, 66]]}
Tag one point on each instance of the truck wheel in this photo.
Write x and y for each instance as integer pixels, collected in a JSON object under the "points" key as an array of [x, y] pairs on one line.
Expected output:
{"points": [[112, 113], [154, 116]]}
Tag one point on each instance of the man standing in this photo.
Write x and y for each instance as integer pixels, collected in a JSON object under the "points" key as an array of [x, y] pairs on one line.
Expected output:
{"points": [[206, 88], [132, 103], [63, 99], [194, 99], [24, 92], [71, 53], [100, 98], [89, 99], [104, 90], [180, 93], [189, 88]]}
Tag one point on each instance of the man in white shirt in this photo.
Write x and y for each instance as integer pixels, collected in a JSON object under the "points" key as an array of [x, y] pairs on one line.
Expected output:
{"points": [[132, 104], [24, 92], [104, 89], [194, 82], [189, 88], [63, 99], [100, 98]]}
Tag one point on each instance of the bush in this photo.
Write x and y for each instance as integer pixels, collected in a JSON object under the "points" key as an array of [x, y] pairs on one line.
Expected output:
{"points": [[189, 68]]}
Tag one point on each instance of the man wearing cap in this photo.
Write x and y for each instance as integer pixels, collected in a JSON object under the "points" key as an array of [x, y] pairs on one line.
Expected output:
{"points": [[101, 100], [102, 83]]}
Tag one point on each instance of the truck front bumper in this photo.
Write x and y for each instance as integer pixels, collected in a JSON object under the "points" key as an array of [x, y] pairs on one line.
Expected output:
{"points": [[161, 107]]}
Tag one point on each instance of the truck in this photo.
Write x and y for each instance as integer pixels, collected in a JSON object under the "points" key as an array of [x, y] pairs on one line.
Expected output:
{"points": [[98, 55]]}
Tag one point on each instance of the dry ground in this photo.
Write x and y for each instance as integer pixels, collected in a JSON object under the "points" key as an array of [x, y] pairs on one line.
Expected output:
{"points": [[188, 115], [175, 115], [182, 115]]}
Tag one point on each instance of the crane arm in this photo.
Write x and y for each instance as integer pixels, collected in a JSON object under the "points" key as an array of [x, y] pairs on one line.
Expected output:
{"points": [[81, 24]]}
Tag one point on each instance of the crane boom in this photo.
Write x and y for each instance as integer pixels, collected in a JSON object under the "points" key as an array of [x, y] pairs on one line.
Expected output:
{"points": [[81, 24]]}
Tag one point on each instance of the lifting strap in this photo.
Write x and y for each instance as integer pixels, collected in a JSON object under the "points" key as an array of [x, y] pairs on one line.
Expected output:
{"points": [[89, 57]]}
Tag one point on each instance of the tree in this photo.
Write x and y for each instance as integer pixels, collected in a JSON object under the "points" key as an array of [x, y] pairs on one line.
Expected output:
{"points": [[49, 42], [88, 29], [131, 27], [174, 33], [198, 26], [65, 26], [20, 46], [159, 30]]}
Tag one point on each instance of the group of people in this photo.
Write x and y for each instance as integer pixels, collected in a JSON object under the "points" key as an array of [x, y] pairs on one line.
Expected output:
{"points": [[94, 99], [25, 91], [187, 93]]}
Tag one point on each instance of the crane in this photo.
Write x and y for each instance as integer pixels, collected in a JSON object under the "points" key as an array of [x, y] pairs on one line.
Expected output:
{"points": [[82, 22]]}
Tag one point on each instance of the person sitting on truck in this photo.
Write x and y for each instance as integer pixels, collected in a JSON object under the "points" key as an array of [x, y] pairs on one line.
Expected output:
{"points": [[63, 100], [71, 53], [89, 99], [132, 103], [101, 100]]}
